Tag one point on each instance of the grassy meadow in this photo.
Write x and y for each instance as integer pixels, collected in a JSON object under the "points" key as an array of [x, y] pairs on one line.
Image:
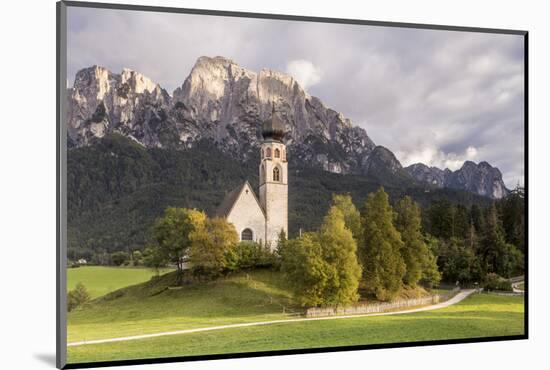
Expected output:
{"points": [[151, 307], [100, 280], [480, 315]]}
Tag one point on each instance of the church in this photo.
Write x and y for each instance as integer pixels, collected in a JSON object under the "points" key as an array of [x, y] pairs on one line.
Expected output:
{"points": [[261, 219]]}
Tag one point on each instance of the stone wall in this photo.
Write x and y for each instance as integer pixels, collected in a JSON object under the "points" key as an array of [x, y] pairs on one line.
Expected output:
{"points": [[380, 307]]}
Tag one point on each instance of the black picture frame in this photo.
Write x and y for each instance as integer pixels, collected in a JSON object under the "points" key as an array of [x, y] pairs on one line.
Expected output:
{"points": [[61, 186]]}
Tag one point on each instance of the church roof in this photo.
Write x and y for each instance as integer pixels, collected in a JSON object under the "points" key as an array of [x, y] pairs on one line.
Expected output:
{"points": [[229, 201], [273, 128]]}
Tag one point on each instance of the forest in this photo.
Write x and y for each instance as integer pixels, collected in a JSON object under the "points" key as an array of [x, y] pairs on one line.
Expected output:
{"points": [[117, 189]]}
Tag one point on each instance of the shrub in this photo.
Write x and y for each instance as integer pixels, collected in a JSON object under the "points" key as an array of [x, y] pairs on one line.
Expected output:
{"points": [[496, 282], [77, 297], [137, 258], [248, 255], [119, 258]]}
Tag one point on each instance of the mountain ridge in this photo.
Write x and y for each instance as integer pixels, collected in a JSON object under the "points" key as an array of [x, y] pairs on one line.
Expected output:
{"points": [[225, 103], [480, 178]]}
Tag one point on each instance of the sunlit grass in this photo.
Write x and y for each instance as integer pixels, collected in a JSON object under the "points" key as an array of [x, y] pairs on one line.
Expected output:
{"points": [[481, 315], [100, 280]]}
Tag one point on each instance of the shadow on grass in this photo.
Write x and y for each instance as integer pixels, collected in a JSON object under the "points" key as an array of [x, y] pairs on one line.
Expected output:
{"points": [[245, 294]]}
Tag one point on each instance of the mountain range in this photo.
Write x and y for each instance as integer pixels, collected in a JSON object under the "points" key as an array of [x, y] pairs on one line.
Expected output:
{"points": [[223, 103]]}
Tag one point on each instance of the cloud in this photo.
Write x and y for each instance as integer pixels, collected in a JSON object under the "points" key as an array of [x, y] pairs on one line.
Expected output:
{"points": [[426, 94], [434, 157], [304, 72]]}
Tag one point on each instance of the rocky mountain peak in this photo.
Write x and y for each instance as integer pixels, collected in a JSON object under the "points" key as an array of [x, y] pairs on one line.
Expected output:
{"points": [[225, 103], [482, 178], [137, 82], [101, 102]]}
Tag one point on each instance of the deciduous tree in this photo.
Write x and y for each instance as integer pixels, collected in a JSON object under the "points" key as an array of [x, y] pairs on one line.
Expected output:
{"points": [[322, 267], [172, 232], [211, 245]]}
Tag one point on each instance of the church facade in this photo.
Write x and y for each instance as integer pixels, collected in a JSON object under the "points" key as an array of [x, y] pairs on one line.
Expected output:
{"points": [[261, 219]]}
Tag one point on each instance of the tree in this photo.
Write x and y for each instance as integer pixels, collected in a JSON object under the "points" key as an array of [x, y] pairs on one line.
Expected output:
{"points": [[137, 258], [415, 252], [498, 256], [172, 233], [322, 267], [340, 252], [119, 258], [153, 258], [281, 243], [77, 297], [211, 246], [383, 265], [459, 262], [352, 217], [305, 269], [441, 219], [513, 218], [430, 271], [461, 221], [478, 220]]}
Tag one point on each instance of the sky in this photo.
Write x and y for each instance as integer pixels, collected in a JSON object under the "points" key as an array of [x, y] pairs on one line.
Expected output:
{"points": [[430, 96]]}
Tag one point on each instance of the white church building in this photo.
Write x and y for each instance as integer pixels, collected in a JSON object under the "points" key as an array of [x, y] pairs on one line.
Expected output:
{"points": [[261, 219]]}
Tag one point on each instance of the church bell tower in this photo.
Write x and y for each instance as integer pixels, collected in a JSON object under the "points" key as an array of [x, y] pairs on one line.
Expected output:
{"points": [[274, 179]]}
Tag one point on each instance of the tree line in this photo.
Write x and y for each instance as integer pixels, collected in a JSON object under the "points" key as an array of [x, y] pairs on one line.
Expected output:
{"points": [[372, 251], [473, 242], [379, 248]]}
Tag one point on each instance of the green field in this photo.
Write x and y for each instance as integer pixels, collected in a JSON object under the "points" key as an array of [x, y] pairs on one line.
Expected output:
{"points": [[100, 280], [477, 316]]}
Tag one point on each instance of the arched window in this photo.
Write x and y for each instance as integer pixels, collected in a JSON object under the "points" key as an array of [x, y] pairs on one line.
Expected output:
{"points": [[277, 153], [247, 234], [276, 174], [268, 153]]}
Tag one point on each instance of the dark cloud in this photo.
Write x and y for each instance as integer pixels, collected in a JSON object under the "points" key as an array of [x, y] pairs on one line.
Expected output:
{"points": [[440, 97]]}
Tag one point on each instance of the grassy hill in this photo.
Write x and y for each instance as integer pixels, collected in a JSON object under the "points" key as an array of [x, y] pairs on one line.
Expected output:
{"points": [[116, 189], [152, 306], [100, 280]]}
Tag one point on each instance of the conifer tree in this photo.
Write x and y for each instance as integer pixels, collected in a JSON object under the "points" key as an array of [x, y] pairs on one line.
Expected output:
{"points": [[498, 256], [415, 252], [430, 271], [352, 217], [513, 218], [380, 252]]}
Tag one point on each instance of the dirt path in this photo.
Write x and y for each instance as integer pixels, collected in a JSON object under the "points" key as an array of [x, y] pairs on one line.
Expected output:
{"points": [[516, 289], [457, 298]]}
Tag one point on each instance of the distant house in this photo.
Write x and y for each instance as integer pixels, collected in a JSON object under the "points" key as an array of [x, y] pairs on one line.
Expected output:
{"points": [[82, 261]]}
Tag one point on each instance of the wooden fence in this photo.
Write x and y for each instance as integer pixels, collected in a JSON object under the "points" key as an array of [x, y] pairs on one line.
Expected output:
{"points": [[380, 307]]}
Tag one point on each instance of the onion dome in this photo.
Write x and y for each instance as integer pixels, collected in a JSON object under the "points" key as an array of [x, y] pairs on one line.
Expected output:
{"points": [[273, 128]]}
